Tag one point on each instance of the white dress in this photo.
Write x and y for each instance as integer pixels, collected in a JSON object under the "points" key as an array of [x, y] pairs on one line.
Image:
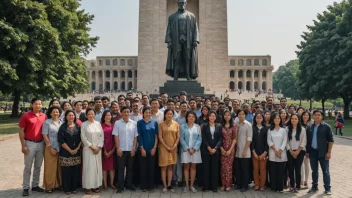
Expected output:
{"points": [[92, 135], [196, 157]]}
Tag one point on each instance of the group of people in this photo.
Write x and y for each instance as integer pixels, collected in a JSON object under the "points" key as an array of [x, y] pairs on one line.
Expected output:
{"points": [[141, 142]]}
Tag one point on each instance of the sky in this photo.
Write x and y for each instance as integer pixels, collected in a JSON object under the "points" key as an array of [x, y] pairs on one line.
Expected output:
{"points": [[255, 27]]}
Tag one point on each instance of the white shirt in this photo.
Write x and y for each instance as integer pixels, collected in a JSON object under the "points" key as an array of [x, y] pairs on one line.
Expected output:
{"points": [[126, 133], [136, 117], [279, 140], [212, 131], [293, 143], [159, 117]]}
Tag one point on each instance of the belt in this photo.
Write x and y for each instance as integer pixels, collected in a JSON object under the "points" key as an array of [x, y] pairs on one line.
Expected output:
{"points": [[35, 141]]}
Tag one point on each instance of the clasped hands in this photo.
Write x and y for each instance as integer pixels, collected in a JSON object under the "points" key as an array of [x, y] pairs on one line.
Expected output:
{"points": [[94, 149]]}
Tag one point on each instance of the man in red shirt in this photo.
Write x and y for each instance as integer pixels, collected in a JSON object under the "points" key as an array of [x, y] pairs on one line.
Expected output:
{"points": [[32, 145]]}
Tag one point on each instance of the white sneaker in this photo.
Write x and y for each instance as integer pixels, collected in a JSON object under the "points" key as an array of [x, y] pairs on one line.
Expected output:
{"points": [[193, 190], [185, 189]]}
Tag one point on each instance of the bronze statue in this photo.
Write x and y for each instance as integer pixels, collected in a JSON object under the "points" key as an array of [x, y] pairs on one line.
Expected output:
{"points": [[182, 38]]}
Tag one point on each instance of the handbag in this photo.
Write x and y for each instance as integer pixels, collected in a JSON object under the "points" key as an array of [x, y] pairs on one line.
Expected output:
{"points": [[339, 125]]}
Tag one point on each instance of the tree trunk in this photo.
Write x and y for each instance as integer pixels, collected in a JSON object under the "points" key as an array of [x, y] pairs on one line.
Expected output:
{"points": [[16, 102], [300, 102], [346, 109], [310, 105], [323, 105]]}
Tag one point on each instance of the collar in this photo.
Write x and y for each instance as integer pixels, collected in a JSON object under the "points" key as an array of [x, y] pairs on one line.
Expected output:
{"points": [[40, 113]]}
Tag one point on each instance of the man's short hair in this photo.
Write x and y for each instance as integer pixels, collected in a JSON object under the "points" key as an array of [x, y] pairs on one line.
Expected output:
{"points": [[105, 98]]}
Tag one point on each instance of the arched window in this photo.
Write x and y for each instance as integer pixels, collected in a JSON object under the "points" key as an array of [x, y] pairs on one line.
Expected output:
{"points": [[122, 74], [116, 74], [114, 62], [248, 62], [256, 62], [123, 86], [264, 62], [264, 85], [130, 85], [240, 86], [256, 85], [122, 62], [264, 74], [92, 64], [93, 75], [240, 62], [256, 73], [232, 85], [232, 74], [232, 62], [107, 85], [116, 86], [93, 86], [248, 86], [240, 74], [129, 73], [100, 62], [248, 73], [107, 62], [129, 62], [107, 74]]}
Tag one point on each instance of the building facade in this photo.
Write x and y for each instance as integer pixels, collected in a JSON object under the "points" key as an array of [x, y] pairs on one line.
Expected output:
{"points": [[119, 73], [108, 73]]}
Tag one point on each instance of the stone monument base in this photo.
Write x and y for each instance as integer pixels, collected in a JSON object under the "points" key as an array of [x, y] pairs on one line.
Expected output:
{"points": [[175, 87]]}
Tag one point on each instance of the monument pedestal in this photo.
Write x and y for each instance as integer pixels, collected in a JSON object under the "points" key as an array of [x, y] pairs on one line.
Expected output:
{"points": [[175, 87]]}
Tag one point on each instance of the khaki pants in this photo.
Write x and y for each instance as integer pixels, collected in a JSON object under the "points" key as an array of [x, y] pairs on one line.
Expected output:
{"points": [[34, 155], [52, 170], [259, 172]]}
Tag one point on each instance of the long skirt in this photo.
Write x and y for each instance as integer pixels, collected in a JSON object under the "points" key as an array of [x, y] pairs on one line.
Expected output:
{"points": [[52, 170]]}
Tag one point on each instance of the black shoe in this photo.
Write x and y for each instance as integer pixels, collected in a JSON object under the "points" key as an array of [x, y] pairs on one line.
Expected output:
{"points": [[215, 190], [204, 190], [313, 190], [180, 184], [131, 188], [37, 189], [238, 187], [327, 192], [25, 193], [244, 190], [120, 190]]}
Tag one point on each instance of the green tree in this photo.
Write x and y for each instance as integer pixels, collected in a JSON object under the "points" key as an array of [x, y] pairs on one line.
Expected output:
{"points": [[325, 56], [41, 44], [285, 79]]}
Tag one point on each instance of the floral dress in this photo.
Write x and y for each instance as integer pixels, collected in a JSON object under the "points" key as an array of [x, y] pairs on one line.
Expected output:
{"points": [[228, 135]]}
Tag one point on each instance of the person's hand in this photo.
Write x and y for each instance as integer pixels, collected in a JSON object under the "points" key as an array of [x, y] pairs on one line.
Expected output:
{"points": [[263, 156], [53, 151], [133, 153], [213, 151], [195, 44], [307, 155], [192, 151], [244, 154], [169, 45], [106, 154], [223, 152], [143, 153], [72, 152], [24, 150], [328, 156], [153, 151], [278, 154], [255, 156], [119, 152], [228, 153], [96, 151]]}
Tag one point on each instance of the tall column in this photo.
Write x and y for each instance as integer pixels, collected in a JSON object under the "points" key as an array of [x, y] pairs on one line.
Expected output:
{"points": [[126, 79], [133, 80], [260, 73], [244, 83], [236, 79], [97, 80], [103, 80], [111, 80], [252, 79], [119, 80], [267, 80], [270, 80]]}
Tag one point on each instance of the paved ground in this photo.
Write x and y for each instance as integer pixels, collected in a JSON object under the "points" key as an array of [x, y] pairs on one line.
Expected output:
{"points": [[11, 168]]}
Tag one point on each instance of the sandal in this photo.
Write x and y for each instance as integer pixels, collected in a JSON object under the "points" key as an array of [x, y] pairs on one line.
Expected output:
{"points": [[105, 188], [164, 190], [262, 189], [171, 189], [228, 189], [96, 190], [222, 188], [256, 188], [49, 190], [67, 193], [88, 192], [112, 186]]}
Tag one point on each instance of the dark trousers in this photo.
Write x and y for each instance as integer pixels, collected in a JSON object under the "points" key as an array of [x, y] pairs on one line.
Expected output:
{"points": [[211, 171], [199, 173], [136, 169], [183, 59], [242, 172], [294, 168], [285, 174], [147, 166], [276, 175], [70, 177], [125, 161], [324, 164]]}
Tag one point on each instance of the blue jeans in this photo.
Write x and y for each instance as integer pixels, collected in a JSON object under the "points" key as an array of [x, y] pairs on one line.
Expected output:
{"points": [[324, 164]]}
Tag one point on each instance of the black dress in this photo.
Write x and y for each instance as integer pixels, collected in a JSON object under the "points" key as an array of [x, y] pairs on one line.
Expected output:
{"points": [[70, 164]]}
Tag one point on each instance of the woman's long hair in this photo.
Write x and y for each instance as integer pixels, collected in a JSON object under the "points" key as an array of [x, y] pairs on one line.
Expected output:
{"points": [[290, 128], [223, 121], [273, 116]]}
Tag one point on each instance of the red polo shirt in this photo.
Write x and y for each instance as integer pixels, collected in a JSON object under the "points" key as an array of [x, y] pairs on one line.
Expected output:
{"points": [[32, 125]]}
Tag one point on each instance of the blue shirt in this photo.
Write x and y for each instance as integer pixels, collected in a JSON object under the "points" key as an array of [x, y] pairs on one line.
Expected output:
{"points": [[181, 119], [249, 117], [314, 140], [146, 134]]}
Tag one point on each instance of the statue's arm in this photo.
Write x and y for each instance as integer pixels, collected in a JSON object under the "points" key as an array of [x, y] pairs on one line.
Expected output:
{"points": [[196, 33], [168, 32]]}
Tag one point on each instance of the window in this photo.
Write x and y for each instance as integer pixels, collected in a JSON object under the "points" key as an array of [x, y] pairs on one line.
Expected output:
{"points": [[256, 73], [107, 74], [264, 74], [248, 73], [115, 74], [129, 62], [240, 62], [232, 74], [264, 62], [232, 85], [232, 62], [122, 62], [248, 62], [92, 64], [107, 62], [114, 62], [240, 74], [100, 62], [256, 62], [129, 73]]}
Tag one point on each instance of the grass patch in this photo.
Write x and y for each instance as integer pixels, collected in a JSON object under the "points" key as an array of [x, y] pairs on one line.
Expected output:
{"points": [[306, 104], [8, 125], [347, 130]]}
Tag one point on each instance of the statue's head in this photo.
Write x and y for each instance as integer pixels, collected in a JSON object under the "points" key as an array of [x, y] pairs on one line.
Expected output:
{"points": [[182, 4]]}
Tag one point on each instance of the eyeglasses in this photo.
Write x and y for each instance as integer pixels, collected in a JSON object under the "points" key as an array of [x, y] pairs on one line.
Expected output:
{"points": [[134, 105]]}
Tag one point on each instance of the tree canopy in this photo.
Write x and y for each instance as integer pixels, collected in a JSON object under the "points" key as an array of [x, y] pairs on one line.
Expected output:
{"points": [[41, 48], [325, 55]]}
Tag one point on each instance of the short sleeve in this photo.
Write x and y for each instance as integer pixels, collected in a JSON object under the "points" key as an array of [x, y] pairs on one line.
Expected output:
{"points": [[23, 121], [135, 129], [45, 128], [115, 131], [234, 131]]}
